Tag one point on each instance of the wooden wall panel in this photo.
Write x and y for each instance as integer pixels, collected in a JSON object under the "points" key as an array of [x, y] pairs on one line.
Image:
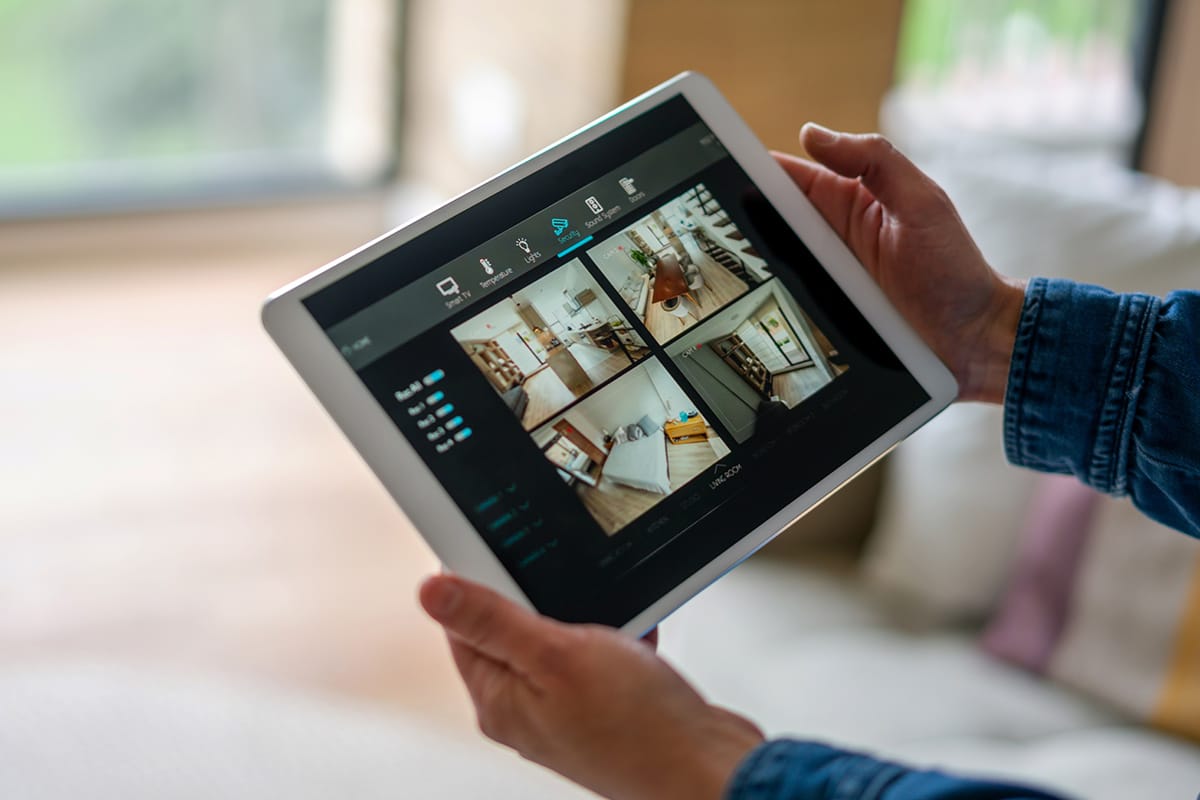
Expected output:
{"points": [[1174, 127], [780, 62]]}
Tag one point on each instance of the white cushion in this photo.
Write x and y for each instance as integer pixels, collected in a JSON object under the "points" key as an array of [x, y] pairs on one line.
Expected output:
{"points": [[950, 516], [810, 654]]}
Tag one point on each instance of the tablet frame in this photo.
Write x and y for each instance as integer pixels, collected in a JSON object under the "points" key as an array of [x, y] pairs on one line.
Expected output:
{"points": [[421, 496]]}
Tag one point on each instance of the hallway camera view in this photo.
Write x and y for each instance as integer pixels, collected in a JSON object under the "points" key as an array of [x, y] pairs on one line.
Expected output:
{"points": [[680, 263], [756, 359]]}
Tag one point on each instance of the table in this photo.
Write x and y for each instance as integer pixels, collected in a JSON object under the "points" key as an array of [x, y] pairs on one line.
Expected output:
{"points": [[669, 280]]}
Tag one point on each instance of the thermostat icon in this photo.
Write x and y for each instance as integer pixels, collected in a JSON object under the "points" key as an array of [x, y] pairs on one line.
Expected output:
{"points": [[447, 286]]}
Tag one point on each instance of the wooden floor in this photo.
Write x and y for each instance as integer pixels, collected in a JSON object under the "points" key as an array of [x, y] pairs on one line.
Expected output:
{"points": [[794, 387], [720, 288], [548, 395], [610, 367], [615, 506], [172, 494]]}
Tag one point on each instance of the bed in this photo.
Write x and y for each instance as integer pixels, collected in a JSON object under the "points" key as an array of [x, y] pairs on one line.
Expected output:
{"points": [[640, 464]]}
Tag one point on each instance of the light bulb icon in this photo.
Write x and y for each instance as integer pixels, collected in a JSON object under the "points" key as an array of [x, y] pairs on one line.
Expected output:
{"points": [[523, 243]]}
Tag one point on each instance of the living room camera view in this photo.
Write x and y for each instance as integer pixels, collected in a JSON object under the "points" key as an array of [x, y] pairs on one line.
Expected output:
{"points": [[680, 263], [551, 343], [629, 445], [756, 359]]}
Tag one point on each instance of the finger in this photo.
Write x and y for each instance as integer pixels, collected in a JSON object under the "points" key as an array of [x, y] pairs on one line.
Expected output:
{"points": [[836, 198], [651, 639], [475, 668], [885, 171], [487, 622]]}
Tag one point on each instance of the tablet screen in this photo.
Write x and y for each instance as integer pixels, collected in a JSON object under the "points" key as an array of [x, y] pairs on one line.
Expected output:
{"points": [[618, 366]]}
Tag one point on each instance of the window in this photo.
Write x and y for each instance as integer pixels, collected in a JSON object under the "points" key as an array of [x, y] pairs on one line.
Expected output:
{"points": [[136, 101], [1051, 72]]}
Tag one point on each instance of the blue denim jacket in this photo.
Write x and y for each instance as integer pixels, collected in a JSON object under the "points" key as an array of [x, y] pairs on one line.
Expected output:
{"points": [[1102, 386]]}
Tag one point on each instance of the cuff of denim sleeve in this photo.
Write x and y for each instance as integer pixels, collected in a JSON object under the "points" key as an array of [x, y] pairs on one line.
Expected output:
{"points": [[1076, 366], [792, 770]]}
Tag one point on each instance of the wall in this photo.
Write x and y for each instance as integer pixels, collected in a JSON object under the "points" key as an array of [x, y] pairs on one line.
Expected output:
{"points": [[486, 84], [500, 318], [724, 390], [780, 62], [585, 424], [1174, 125], [624, 402], [672, 396]]}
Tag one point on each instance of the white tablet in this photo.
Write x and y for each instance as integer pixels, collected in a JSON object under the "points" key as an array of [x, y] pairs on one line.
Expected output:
{"points": [[601, 379]]}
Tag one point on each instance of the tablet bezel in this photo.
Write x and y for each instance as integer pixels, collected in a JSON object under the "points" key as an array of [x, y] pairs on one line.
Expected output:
{"points": [[421, 496]]}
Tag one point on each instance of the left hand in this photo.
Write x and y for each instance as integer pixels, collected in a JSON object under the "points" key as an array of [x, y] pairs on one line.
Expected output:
{"points": [[585, 701]]}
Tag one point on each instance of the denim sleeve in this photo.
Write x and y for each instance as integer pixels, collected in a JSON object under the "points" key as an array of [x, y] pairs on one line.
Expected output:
{"points": [[791, 770], [1106, 387]]}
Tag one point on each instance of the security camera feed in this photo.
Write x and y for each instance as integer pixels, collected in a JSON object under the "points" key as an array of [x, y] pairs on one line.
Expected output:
{"points": [[681, 263], [756, 359], [551, 343], [629, 445]]}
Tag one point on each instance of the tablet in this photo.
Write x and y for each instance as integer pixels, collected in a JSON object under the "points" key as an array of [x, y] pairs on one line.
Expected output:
{"points": [[601, 379]]}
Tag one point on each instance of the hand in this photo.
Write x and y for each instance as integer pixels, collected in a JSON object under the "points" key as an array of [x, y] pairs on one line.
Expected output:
{"points": [[905, 231], [585, 701]]}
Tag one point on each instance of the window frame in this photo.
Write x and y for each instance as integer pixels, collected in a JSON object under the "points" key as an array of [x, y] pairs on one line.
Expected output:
{"points": [[361, 114]]}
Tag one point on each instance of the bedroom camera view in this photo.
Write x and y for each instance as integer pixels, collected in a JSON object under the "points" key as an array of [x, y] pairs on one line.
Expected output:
{"points": [[629, 445], [756, 359], [551, 343], [681, 263]]}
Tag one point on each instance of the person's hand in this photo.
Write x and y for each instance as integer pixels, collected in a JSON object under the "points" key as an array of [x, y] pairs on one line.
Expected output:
{"points": [[585, 701], [905, 231]]}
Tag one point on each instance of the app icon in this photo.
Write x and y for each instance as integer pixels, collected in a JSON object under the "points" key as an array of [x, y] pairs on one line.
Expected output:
{"points": [[559, 224], [523, 243], [447, 286], [627, 185], [594, 205], [486, 263]]}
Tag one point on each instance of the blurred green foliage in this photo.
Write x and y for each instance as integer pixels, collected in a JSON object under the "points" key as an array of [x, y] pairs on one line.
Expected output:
{"points": [[930, 34], [105, 80]]}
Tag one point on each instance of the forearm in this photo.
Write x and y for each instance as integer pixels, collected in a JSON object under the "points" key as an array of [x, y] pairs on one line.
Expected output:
{"points": [[1106, 387], [793, 770]]}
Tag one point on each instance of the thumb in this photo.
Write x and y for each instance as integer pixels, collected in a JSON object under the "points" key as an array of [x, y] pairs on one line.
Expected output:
{"points": [[493, 625], [883, 170]]}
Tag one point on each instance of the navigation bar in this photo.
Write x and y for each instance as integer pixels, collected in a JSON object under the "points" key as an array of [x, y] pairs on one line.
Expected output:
{"points": [[553, 233]]}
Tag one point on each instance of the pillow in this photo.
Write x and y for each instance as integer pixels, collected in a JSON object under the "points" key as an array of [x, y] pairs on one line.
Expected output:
{"points": [[648, 425], [951, 513], [634, 432], [1107, 601]]}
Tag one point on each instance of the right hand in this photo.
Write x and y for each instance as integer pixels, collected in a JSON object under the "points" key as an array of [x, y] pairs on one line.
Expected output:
{"points": [[905, 231]]}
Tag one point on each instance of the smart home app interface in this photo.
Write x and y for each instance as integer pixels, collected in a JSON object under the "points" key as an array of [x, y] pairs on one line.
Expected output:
{"points": [[631, 363]]}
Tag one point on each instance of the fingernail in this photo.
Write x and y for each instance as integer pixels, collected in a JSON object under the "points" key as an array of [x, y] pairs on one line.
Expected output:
{"points": [[441, 596], [818, 133]]}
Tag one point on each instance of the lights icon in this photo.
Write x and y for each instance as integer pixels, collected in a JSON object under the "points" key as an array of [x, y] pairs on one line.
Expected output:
{"points": [[594, 205], [486, 263], [523, 244], [448, 287], [627, 185], [559, 224]]}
